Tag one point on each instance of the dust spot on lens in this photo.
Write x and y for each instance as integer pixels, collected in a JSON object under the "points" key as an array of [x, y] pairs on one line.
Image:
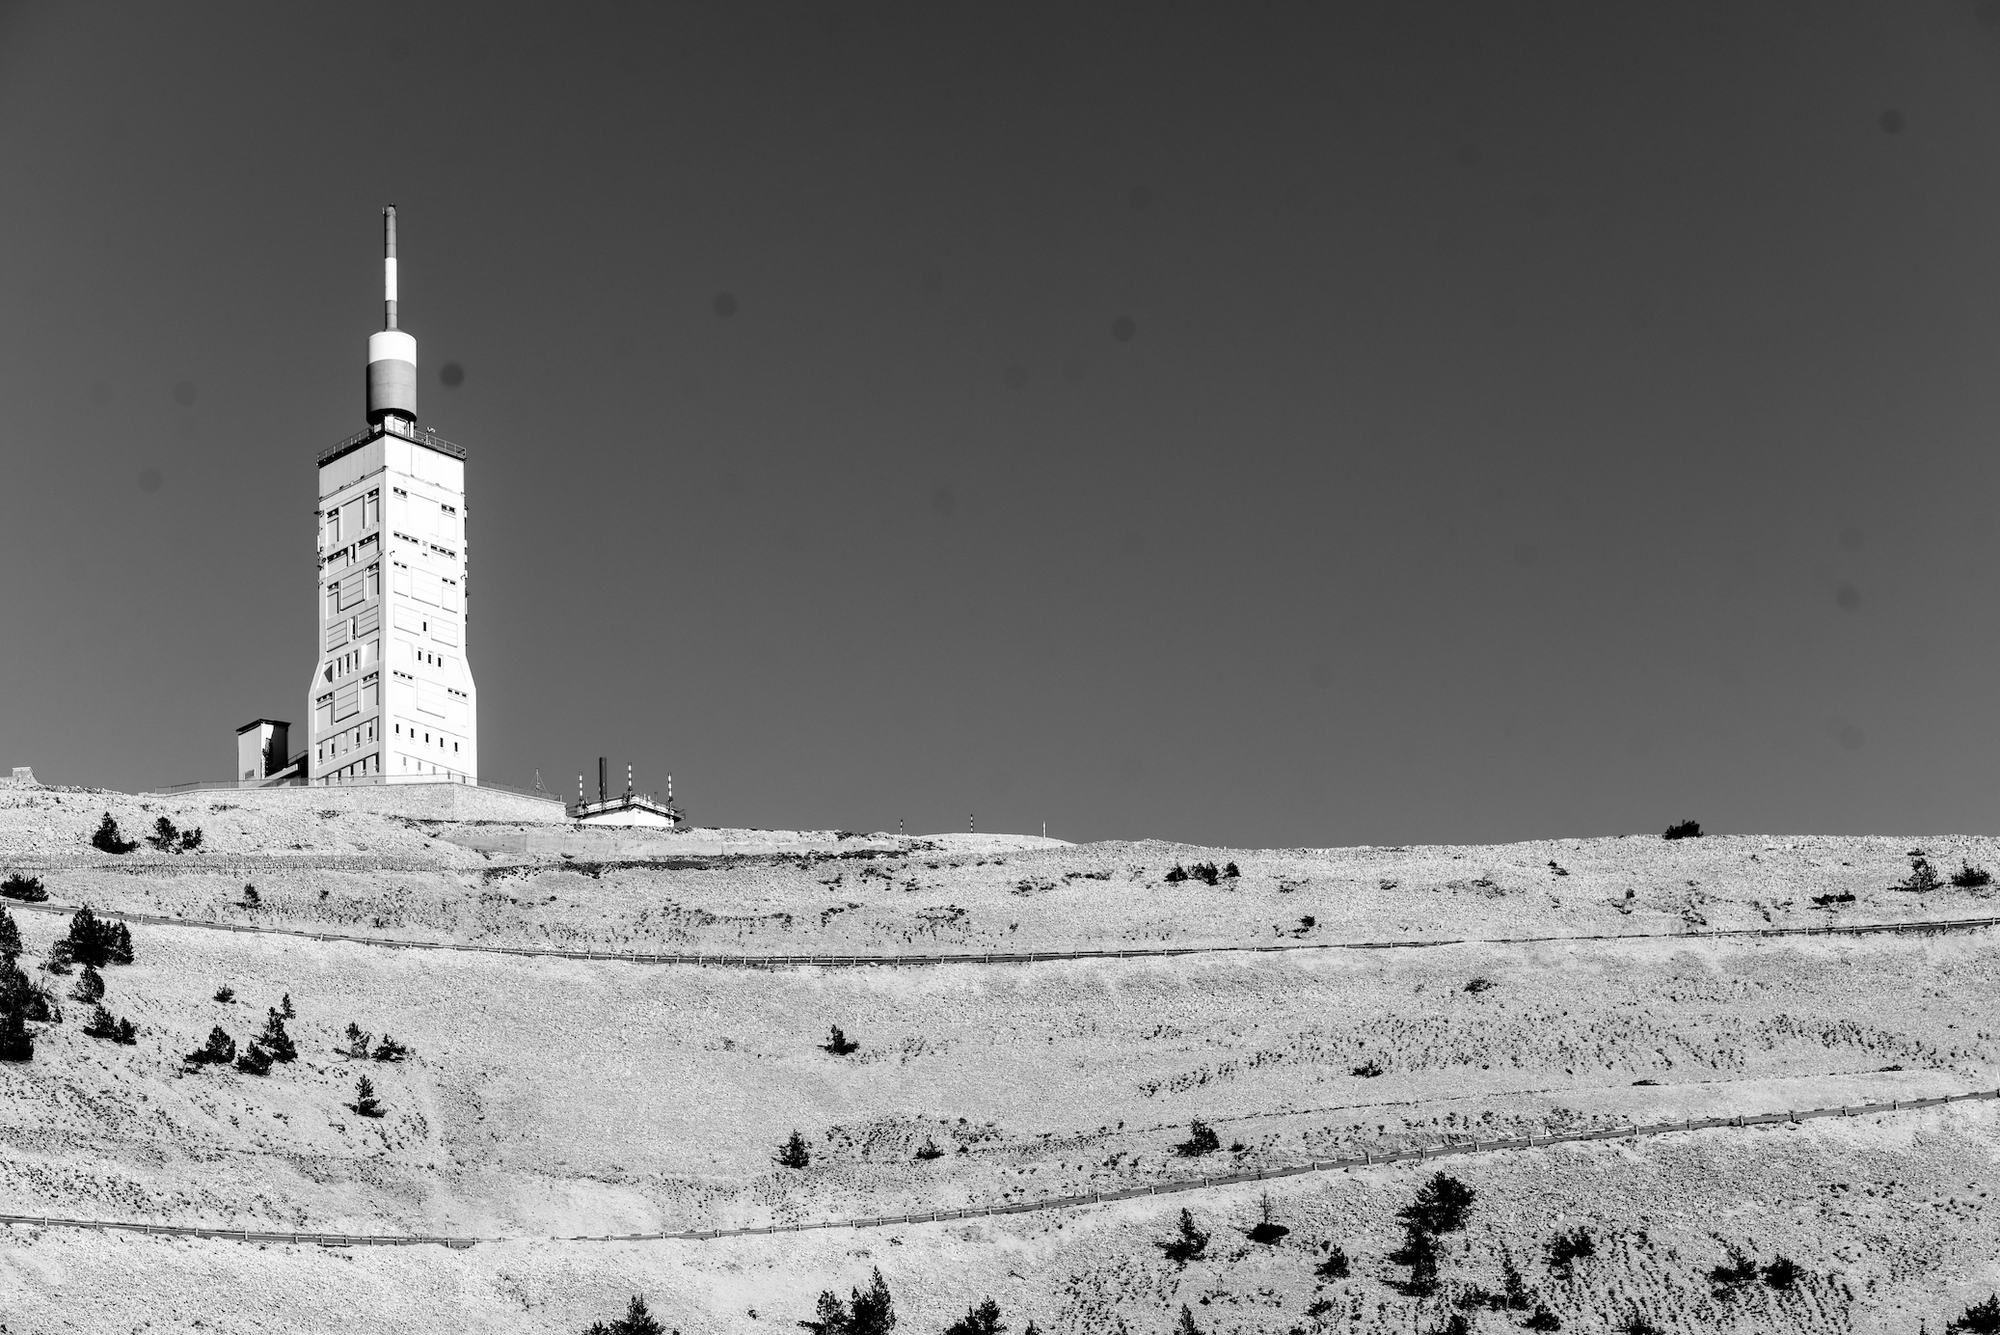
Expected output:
{"points": [[452, 374], [150, 479], [1892, 121], [1123, 328], [1322, 675], [725, 304], [1140, 198], [1848, 597], [943, 501], [1015, 377], [100, 393], [1851, 539], [185, 393]]}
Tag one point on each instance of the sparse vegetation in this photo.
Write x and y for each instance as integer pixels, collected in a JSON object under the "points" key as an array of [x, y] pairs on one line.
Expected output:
{"points": [[866, 1313], [839, 1044], [1969, 877], [636, 1321], [103, 1024], [1205, 872], [1186, 1325], [356, 1044], [220, 1050], [1738, 1270], [1177, 875], [1368, 1070], [1336, 1264], [793, 1153], [389, 1050], [1189, 1242], [225, 994], [251, 899], [1829, 900], [1543, 1319], [1566, 1249], [1782, 1273], [109, 838], [1201, 1140], [1230, 873], [26, 889], [254, 1061], [1687, 829], [1478, 985], [929, 1150], [1923, 877]]}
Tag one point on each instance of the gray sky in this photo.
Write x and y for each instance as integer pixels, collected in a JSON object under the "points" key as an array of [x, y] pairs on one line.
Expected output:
{"points": [[1260, 425]]}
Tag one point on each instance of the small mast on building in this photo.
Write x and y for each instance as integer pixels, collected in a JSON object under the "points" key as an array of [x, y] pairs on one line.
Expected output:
{"points": [[630, 807]]}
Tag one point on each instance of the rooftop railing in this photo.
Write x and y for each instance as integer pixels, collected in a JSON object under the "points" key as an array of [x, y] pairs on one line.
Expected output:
{"points": [[393, 426]]}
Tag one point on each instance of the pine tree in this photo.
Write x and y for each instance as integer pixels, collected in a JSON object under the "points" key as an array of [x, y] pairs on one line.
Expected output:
{"points": [[1187, 1325], [981, 1320], [1419, 1253], [89, 985], [128, 1033], [109, 838], [839, 1044], [285, 1007], [27, 889], [87, 944], [254, 1061], [389, 1050], [636, 1321], [16, 1043], [870, 1313], [10, 936], [793, 1153], [1441, 1206], [275, 1040], [364, 1098], [1335, 1266], [357, 1042], [220, 1050], [101, 1025], [121, 945], [164, 836], [1189, 1244]]}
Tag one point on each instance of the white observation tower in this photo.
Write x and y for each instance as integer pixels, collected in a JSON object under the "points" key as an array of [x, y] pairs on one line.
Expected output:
{"points": [[392, 697]]}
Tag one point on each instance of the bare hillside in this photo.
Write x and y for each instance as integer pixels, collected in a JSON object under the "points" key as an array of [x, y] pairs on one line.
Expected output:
{"points": [[548, 1098]]}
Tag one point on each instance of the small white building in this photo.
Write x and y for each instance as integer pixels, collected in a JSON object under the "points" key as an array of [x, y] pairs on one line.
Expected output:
{"points": [[263, 752], [629, 808]]}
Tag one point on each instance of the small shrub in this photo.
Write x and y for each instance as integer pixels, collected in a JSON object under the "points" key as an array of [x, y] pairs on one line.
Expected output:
{"points": [[164, 837], [1543, 1319], [1177, 875], [929, 1150], [389, 1050], [1478, 985], [1229, 873], [60, 959], [1635, 1323], [793, 1153], [356, 1045], [365, 1102], [102, 1024], [1982, 1318], [1186, 1325], [121, 944], [981, 1320], [251, 899], [254, 1061], [225, 994], [40, 1005], [1368, 1070], [1829, 900], [285, 1006], [27, 889], [839, 1044], [1440, 1207], [91, 940], [1782, 1273], [10, 936], [220, 1050], [1454, 1324], [1516, 1286], [1566, 1249], [1969, 877], [1687, 829], [109, 838], [1205, 872], [1923, 877], [1737, 1270], [1189, 1243], [1201, 1140], [89, 985], [128, 1033], [1267, 1230], [1335, 1266], [636, 1321]]}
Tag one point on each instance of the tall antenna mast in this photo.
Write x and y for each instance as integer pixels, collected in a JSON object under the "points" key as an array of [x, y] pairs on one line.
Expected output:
{"points": [[392, 354], [389, 267]]}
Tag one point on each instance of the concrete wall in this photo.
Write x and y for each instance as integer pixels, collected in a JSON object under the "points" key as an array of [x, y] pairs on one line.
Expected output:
{"points": [[421, 801]]}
